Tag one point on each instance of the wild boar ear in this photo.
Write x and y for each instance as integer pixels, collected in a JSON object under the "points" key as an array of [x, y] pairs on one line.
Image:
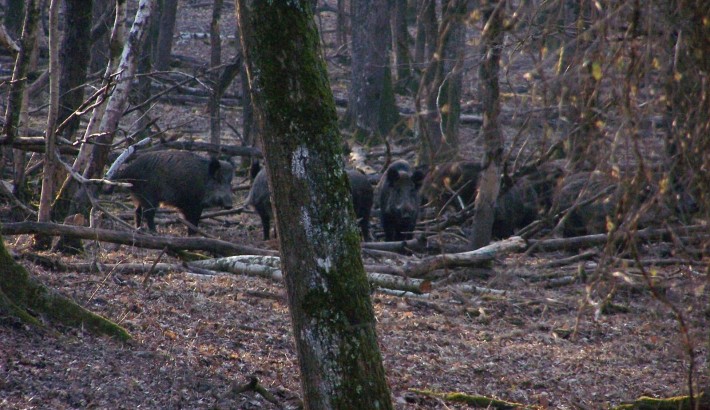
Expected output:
{"points": [[392, 175], [214, 167]]}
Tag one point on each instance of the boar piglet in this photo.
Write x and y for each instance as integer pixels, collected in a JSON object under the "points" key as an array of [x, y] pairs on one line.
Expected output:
{"points": [[180, 179], [399, 200], [360, 189]]}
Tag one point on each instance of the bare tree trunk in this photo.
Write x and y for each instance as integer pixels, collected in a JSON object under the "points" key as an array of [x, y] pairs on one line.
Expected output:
{"points": [[50, 155], [427, 32], [100, 40], [438, 101], [489, 186], [333, 320], [16, 109], [215, 62], [400, 45], [163, 53], [341, 25], [371, 106], [14, 16], [249, 131], [19, 74], [118, 100], [75, 54], [108, 122], [66, 201]]}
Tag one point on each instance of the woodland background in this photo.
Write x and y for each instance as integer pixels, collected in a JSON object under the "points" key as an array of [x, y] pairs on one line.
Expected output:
{"points": [[620, 88]]}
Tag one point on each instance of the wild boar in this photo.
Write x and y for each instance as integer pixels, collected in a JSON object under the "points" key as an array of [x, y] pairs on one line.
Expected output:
{"points": [[180, 179]]}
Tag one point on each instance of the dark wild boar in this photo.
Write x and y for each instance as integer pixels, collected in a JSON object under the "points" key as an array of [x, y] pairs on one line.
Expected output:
{"points": [[180, 179], [399, 200], [451, 184], [516, 207], [590, 197], [360, 189], [455, 185]]}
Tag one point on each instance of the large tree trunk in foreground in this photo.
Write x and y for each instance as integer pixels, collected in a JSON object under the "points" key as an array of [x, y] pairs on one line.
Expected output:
{"points": [[333, 318], [25, 298], [491, 44]]}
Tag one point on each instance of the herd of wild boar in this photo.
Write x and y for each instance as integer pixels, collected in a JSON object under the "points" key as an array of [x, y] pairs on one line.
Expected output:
{"points": [[571, 204]]}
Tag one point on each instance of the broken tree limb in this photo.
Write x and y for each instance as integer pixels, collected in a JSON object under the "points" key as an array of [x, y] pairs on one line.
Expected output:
{"points": [[270, 267], [140, 240], [478, 257], [418, 244]]}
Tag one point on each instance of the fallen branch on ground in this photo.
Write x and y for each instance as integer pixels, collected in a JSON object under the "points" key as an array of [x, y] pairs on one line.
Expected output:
{"points": [[472, 400], [643, 235], [140, 240], [478, 257], [270, 267]]}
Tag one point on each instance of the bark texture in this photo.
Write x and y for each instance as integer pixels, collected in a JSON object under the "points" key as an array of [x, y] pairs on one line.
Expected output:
{"points": [[489, 186], [24, 297], [333, 319], [75, 54], [19, 74], [371, 105], [439, 98]]}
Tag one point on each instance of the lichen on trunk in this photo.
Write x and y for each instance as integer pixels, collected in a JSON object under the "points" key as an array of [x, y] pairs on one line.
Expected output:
{"points": [[333, 318]]}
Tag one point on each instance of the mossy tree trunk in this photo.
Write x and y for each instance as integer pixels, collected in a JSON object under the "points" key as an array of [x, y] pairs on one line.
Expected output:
{"points": [[21, 294], [489, 186], [333, 318]]}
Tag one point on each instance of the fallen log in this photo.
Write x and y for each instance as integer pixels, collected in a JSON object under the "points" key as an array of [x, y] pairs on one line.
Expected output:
{"points": [[270, 267], [140, 240], [588, 241], [478, 257], [418, 244]]}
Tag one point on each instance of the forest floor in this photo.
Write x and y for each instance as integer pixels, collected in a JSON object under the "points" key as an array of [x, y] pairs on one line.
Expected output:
{"points": [[196, 338]]}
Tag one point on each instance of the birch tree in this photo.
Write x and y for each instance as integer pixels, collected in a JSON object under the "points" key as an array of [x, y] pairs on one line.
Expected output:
{"points": [[332, 316], [104, 121]]}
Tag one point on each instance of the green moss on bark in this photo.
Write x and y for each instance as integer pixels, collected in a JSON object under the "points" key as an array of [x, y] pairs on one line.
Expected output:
{"points": [[20, 293], [333, 319]]}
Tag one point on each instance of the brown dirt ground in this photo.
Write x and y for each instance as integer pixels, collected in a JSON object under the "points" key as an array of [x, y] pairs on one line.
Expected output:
{"points": [[196, 337]]}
